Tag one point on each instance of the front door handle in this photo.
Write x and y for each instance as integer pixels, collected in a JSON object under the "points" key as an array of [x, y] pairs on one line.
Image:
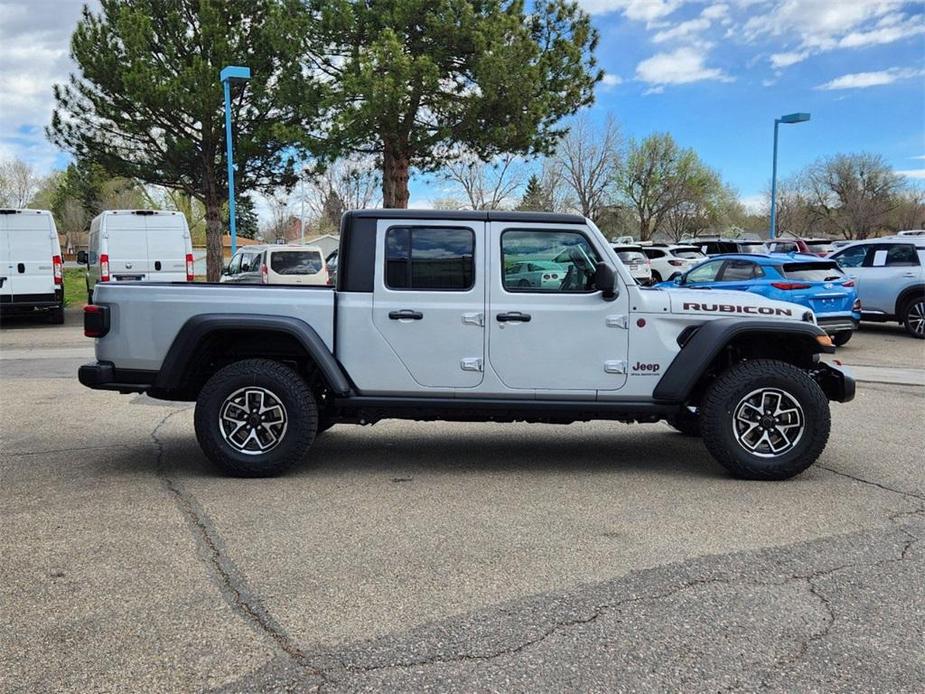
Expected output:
{"points": [[513, 317], [406, 314]]}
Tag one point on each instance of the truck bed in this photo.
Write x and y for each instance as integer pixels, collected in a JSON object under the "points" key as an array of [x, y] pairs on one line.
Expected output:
{"points": [[146, 317]]}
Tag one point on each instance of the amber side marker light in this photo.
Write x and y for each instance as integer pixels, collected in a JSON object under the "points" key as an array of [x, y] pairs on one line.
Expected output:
{"points": [[825, 340]]}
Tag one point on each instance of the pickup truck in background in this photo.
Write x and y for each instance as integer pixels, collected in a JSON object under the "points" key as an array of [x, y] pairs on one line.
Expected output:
{"points": [[430, 320]]}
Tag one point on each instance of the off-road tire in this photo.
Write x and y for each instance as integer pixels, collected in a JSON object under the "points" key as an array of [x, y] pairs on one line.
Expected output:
{"points": [[841, 339], [913, 313], [729, 390], [685, 421], [286, 386]]}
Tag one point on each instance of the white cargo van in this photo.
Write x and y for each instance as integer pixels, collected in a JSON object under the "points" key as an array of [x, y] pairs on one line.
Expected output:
{"points": [[31, 279], [138, 245]]}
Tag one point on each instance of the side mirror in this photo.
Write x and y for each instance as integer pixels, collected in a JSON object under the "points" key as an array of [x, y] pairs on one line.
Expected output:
{"points": [[82, 257], [605, 279], [679, 280]]}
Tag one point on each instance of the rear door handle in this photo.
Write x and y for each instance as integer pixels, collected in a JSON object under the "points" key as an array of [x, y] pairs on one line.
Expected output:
{"points": [[513, 317], [406, 314]]}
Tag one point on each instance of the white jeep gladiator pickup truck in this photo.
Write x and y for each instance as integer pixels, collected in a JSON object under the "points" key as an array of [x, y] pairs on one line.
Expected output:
{"points": [[458, 316]]}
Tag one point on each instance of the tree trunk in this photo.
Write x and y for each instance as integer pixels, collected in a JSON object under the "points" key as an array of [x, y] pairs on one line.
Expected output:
{"points": [[395, 165], [214, 252]]}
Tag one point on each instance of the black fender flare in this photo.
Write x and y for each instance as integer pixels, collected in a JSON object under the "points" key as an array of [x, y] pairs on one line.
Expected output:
{"points": [[197, 328], [710, 338]]}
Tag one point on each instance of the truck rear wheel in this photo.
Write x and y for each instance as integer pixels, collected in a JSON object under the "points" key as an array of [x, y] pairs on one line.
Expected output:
{"points": [[255, 418], [765, 420]]}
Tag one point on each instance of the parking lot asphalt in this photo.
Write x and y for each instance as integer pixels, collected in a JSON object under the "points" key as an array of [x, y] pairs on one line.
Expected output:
{"points": [[431, 556]]}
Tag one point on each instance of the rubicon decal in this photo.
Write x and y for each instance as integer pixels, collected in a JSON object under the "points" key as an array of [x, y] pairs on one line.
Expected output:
{"points": [[734, 308]]}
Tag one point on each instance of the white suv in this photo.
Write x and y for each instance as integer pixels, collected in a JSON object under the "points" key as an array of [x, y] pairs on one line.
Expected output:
{"points": [[890, 275], [668, 262]]}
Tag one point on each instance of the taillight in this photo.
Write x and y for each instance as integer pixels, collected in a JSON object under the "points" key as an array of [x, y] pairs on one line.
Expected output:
{"points": [[104, 267], [56, 264], [848, 283], [856, 306], [789, 286], [96, 320], [546, 277], [264, 274], [189, 267], [676, 263]]}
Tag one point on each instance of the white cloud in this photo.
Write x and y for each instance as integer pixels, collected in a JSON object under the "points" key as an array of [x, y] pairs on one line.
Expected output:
{"points": [[754, 204], [863, 80], [610, 80], [718, 11], [639, 10], [912, 173], [34, 40], [780, 60], [826, 25], [682, 30], [681, 66]]}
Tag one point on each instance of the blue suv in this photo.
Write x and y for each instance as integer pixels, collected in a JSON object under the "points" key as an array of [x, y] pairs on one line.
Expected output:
{"points": [[816, 283]]}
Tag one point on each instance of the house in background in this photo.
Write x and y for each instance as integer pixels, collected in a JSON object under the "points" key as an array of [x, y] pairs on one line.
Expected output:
{"points": [[326, 242]]}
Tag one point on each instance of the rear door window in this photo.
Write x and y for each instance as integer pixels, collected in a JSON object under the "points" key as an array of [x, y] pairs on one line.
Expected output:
{"points": [[568, 256], [739, 270], [902, 255], [296, 262], [429, 258]]}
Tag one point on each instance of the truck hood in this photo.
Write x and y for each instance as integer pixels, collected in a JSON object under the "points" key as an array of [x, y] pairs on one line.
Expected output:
{"points": [[710, 302]]}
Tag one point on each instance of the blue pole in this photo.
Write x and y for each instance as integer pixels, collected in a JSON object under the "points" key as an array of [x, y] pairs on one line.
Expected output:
{"points": [[773, 230], [230, 155]]}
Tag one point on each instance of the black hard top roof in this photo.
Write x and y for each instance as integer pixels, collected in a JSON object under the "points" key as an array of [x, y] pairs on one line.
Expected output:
{"points": [[472, 215]]}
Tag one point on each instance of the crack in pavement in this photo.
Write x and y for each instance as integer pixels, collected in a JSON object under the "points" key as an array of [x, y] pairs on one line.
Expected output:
{"points": [[231, 583], [807, 579], [884, 487]]}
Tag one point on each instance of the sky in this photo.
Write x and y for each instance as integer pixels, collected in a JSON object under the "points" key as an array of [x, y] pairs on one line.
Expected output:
{"points": [[713, 74]]}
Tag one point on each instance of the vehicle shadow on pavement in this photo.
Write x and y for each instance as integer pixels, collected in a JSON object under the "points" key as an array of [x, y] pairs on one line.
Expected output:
{"points": [[480, 448]]}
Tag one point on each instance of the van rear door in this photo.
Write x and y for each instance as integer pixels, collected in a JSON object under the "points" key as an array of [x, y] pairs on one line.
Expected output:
{"points": [[126, 245], [30, 246], [7, 268], [168, 243]]}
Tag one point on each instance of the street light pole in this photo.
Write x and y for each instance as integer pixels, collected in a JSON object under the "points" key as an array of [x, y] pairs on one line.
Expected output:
{"points": [[789, 118], [227, 74]]}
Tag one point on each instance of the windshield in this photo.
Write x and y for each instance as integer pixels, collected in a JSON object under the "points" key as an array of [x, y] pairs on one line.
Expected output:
{"points": [[687, 253], [812, 272], [759, 248], [296, 262]]}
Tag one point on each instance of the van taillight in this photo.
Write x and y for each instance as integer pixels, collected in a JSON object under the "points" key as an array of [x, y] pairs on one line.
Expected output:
{"points": [[56, 264], [189, 267], [104, 267], [264, 274]]}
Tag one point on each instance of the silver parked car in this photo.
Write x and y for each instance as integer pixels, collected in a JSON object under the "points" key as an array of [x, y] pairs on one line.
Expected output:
{"points": [[890, 275]]}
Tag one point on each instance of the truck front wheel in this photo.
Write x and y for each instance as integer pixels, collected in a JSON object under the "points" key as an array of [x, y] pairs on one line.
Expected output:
{"points": [[255, 418], [765, 420]]}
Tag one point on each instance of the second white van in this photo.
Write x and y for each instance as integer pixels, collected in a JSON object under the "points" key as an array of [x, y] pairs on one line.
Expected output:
{"points": [[138, 245], [31, 280]]}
